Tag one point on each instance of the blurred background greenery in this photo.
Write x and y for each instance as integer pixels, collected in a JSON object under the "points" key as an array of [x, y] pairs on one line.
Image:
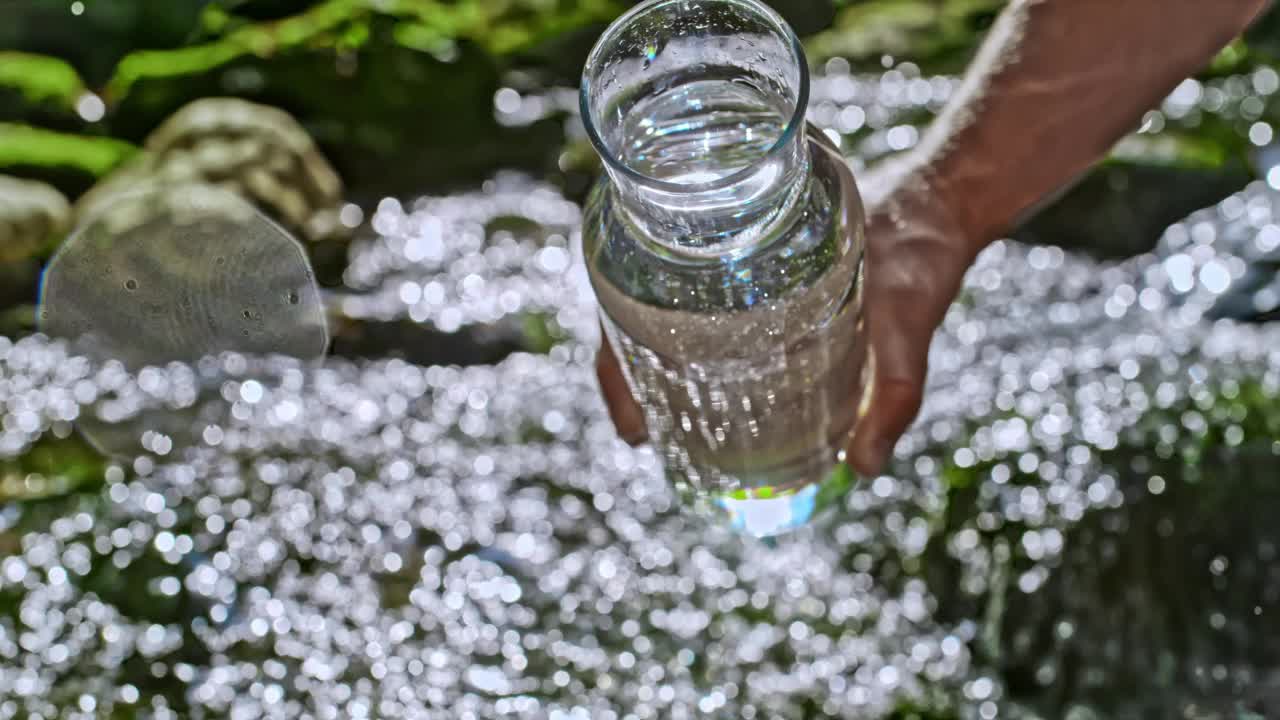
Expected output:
{"points": [[355, 100], [398, 94]]}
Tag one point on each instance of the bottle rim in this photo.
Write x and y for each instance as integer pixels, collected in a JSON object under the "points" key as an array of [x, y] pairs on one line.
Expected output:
{"points": [[794, 124]]}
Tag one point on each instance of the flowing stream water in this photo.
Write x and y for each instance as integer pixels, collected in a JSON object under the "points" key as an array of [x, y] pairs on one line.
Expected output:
{"points": [[1081, 523]]}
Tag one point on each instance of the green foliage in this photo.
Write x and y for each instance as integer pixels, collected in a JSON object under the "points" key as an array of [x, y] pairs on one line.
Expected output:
{"points": [[541, 333], [41, 79], [23, 145], [261, 40], [55, 466], [1121, 208], [912, 711], [841, 481], [367, 77], [1233, 58], [499, 26], [938, 35], [1263, 37], [1176, 149]]}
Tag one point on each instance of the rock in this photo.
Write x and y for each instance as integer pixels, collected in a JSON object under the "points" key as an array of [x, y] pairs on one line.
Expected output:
{"points": [[259, 152], [31, 215]]}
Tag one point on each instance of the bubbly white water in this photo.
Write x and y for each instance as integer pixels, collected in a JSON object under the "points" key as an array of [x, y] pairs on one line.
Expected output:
{"points": [[411, 539]]}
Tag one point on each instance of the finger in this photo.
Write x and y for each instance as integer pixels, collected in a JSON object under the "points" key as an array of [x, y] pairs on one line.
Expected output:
{"points": [[623, 409], [904, 306], [896, 392]]}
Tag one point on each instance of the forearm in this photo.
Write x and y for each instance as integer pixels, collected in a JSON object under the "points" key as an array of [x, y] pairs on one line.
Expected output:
{"points": [[1054, 86]]}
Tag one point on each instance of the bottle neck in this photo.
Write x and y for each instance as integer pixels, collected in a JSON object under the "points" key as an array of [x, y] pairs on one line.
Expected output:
{"points": [[724, 218]]}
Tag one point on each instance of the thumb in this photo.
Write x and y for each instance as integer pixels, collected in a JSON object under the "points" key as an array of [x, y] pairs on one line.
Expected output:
{"points": [[894, 404], [899, 356], [898, 361]]}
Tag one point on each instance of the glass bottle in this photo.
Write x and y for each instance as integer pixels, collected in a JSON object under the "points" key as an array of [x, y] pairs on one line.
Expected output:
{"points": [[725, 243]]}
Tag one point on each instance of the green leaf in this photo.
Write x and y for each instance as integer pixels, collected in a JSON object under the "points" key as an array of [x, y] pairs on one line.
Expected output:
{"points": [[41, 79], [1231, 59], [1172, 149], [499, 27], [23, 145], [875, 28], [837, 484], [262, 39], [935, 34]]}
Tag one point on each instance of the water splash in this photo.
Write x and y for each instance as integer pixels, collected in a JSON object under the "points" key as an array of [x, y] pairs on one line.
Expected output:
{"points": [[388, 538], [176, 274]]}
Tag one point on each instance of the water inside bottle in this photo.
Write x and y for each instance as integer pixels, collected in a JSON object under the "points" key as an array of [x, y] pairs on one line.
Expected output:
{"points": [[750, 367], [701, 129]]}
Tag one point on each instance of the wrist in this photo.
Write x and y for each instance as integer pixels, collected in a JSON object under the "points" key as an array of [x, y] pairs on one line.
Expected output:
{"points": [[916, 188], [957, 205], [976, 188]]}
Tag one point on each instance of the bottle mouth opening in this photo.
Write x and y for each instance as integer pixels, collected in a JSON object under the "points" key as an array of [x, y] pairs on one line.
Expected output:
{"points": [[615, 36]]}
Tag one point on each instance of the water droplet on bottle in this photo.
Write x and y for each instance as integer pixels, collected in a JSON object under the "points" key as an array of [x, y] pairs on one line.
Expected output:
{"points": [[130, 284], [220, 260], [293, 297], [247, 315]]}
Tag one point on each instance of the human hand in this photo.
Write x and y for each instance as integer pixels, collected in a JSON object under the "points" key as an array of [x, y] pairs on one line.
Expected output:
{"points": [[916, 257], [1052, 89]]}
